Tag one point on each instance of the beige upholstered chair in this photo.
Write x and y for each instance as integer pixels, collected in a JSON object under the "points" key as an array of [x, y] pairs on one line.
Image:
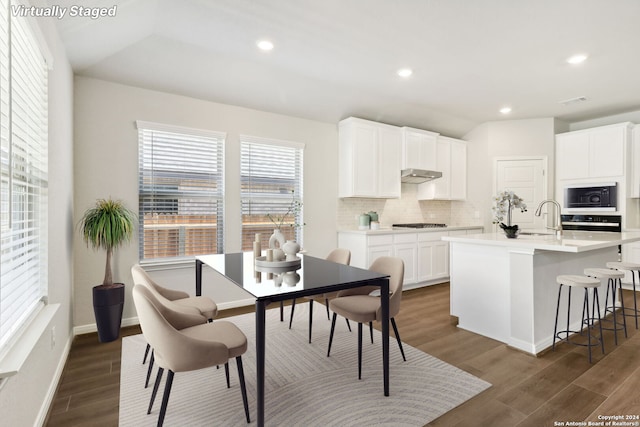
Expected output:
{"points": [[340, 256], [367, 308], [181, 348], [205, 305], [177, 300]]}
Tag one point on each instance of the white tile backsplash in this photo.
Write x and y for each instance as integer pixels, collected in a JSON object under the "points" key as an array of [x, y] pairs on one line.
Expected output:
{"points": [[407, 209]]}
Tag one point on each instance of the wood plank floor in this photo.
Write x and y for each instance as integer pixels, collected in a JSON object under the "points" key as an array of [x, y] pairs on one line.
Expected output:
{"points": [[557, 387]]}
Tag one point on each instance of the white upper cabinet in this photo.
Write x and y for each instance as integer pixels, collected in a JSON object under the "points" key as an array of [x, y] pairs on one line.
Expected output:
{"points": [[451, 160], [418, 149], [635, 163], [592, 153], [369, 159]]}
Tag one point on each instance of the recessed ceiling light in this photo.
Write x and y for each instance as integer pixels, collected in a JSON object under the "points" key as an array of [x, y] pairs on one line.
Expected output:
{"points": [[505, 110], [577, 59], [405, 72], [265, 45]]}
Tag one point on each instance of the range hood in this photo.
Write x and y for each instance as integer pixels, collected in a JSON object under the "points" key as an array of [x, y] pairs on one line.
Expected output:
{"points": [[418, 176]]}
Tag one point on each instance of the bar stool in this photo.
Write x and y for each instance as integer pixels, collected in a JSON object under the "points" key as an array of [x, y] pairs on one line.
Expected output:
{"points": [[634, 269], [613, 277], [585, 283]]}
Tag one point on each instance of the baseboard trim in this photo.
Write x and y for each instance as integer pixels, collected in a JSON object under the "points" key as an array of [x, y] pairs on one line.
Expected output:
{"points": [[41, 419], [132, 321]]}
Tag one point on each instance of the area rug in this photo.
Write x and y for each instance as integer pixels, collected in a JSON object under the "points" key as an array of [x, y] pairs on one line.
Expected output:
{"points": [[303, 386]]}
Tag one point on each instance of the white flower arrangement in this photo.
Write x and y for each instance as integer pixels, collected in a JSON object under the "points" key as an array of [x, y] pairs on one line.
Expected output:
{"points": [[503, 204]]}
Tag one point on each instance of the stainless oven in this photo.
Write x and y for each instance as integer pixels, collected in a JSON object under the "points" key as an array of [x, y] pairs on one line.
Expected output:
{"points": [[592, 197], [606, 223], [611, 223]]}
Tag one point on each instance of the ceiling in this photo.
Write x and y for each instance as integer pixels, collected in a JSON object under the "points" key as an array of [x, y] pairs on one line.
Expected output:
{"points": [[338, 58]]}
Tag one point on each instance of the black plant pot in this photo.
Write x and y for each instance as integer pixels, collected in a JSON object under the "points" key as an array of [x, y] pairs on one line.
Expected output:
{"points": [[108, 303], [511, 231]]}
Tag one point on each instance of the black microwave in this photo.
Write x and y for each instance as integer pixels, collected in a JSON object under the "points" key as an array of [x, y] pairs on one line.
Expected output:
{"points": [[595, 197]]}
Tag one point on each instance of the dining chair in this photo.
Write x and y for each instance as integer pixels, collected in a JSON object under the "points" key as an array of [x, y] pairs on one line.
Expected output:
{"points": [[340, 256], [203, 306], [183, 349], [367, 308]]}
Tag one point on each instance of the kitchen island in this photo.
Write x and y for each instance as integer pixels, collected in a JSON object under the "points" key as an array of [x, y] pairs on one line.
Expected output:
{"points": [[506, 289]]}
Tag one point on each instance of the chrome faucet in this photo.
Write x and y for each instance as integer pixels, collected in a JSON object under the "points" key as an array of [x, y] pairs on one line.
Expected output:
{"points": [[558, 226]]}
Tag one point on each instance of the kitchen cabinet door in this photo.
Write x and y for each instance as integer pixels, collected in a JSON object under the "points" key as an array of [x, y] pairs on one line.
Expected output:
{"points": [[432, 256], [635, 163], [606, 152], [375, 252], [388, 162], [442, 186], [451, 160], [440, 260], [418, 149], [597, 153], [458, 171], [572, 155], [368, 159], [408, 253]]}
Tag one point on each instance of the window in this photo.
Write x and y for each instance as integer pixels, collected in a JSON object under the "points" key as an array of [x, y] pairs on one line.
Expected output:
{"points": [[23, 175], [181, 192], [271, 179]]}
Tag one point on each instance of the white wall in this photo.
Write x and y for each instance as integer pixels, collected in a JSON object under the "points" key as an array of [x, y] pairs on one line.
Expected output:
{"points": [[25, 397], [631, 116], [513, 138], [106, 164]]}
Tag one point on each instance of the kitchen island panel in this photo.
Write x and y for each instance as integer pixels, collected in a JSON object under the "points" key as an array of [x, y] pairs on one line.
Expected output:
{"points": [[509, 293]]}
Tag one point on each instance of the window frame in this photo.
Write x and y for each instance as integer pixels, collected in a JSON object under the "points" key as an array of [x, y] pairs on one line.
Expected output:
{"points": [[218, 140], [24, 138], [247, 196]]}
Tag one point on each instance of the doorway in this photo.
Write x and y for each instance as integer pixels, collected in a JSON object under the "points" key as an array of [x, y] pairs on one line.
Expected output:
{"points": [[526, 177]]}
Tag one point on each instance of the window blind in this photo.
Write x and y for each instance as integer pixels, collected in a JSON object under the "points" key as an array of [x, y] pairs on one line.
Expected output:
{"points": [[181, 192], [23, 172], [271, 184]]}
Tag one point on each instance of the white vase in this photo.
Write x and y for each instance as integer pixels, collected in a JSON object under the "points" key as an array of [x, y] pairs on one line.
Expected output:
{"points": [[291, 248], [291, 278], [277, 239]]}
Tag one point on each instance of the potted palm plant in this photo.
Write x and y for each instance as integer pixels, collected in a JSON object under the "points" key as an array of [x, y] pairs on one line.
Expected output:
{"points": [[106, 226]]}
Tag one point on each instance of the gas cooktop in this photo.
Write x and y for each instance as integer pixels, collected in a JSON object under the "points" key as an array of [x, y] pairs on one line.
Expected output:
{"points": [[420, 225]]}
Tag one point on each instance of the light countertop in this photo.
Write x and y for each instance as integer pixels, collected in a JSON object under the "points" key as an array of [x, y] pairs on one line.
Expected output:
{"points": [[571, 241], [412, 230]]}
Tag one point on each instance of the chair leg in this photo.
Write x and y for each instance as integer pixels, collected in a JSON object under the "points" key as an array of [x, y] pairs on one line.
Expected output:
{"points": [[635, 302], [326, 304], [146, 353], [310, 318], [371, 331], [555, 327], [151, 360], [395, 331], [333, 327], [155, 389], [624, 318], [226, 374], [243, 388], [282, 311], [165, 397], [348, 324], [359, 350], [585, 305], [293, 307], [596, 299]]}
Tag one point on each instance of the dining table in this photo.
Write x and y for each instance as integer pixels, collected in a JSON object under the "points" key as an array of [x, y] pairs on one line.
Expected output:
{"points": [[309, 276]]}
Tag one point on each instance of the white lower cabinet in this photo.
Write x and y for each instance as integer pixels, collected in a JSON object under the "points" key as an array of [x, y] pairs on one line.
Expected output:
{"points": [[377, 246], [433, 256], [405, 248], [425, 254]]}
